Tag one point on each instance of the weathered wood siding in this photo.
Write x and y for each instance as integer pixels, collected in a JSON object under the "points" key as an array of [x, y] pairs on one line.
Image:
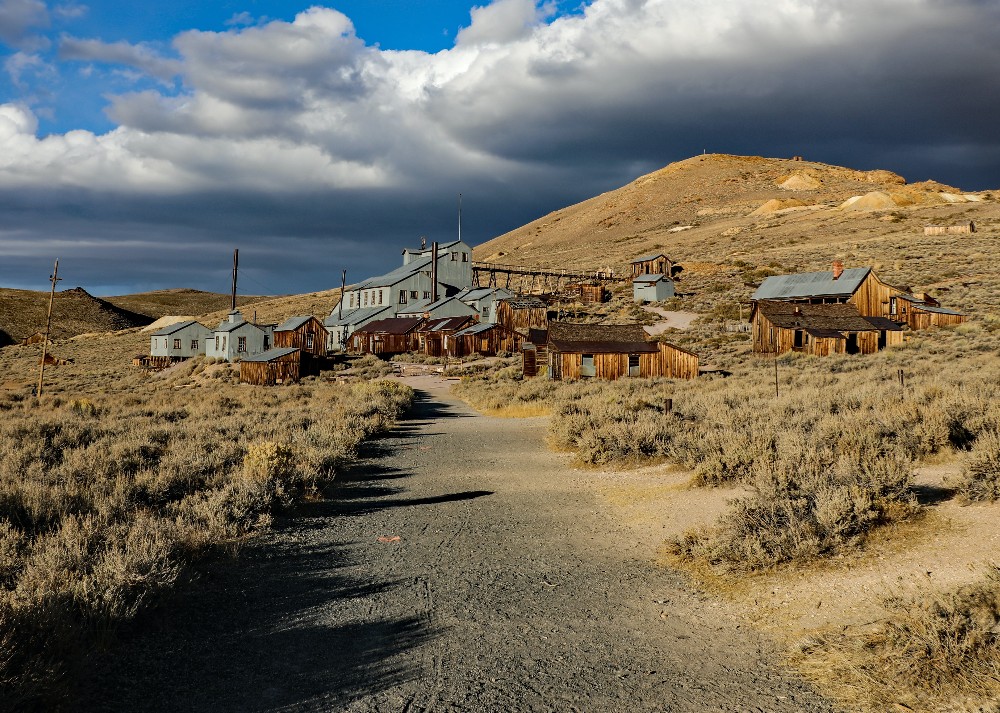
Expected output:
{"points": [[521, 319], [770, 339], [872, 297], [658, 266], [488, 343], [298, 338], [964, 229], [283, 370], [380, 343], [919, 319], [669, 361]]}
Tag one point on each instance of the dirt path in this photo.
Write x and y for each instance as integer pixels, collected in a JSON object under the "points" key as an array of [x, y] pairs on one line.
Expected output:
{"points": [[511, 588]]}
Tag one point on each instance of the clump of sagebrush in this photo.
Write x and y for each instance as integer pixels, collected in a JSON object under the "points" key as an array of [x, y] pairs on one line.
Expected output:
{"points": [[371, 367], [803, 507], [104, 499], [980, 478], [935, 651]]}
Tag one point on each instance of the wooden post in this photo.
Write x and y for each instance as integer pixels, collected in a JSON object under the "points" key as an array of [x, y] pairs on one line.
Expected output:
{"points": [[776, 375], [343, 287], [902, 380], [236, 267], [668, 406], [53, 278]]}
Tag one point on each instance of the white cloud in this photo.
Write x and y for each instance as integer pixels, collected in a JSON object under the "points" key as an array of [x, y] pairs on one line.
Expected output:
{"points": [[70, 10], [20, 64], [140, 56], [19, 17], [502, 21]]}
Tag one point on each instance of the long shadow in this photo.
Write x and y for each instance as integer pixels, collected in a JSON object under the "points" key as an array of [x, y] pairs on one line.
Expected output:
{"points": [[933, 494], [351, 508]]}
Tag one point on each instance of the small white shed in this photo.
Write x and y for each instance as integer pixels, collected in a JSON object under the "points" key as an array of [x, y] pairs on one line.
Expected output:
{"points": [[183, 340], [652, 288]]}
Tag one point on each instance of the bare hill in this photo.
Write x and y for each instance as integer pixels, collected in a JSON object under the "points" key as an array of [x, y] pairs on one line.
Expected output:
{"points": [[186, 301], [74, 311], [713, 211]]}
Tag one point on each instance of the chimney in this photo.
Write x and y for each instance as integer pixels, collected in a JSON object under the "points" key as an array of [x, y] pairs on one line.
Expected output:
{"points": [[434, 272], [838, 269]]}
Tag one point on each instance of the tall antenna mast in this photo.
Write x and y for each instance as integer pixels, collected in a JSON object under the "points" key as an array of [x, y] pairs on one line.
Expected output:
{"points": [[53, 278], [459, 217], [236, 268]]}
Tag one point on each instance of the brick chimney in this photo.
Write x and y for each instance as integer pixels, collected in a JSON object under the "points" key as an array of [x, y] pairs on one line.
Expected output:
{"points": [[838, 269]]}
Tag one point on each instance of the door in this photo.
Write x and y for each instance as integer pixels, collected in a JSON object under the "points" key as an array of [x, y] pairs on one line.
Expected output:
{"points": [[529, 364], [587, 367], [633, 365], [852, 343]]}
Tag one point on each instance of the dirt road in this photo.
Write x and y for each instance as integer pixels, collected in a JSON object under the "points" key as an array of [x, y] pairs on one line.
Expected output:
{"points": [[509, 589]]}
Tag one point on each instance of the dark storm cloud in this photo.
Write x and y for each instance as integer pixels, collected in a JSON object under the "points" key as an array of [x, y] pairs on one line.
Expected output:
{"points": [[313, 151]]}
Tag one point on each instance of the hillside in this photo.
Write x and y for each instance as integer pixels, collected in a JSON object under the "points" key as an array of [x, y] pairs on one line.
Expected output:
{"points": [[158, 303], [720, 214], [74, 311]]}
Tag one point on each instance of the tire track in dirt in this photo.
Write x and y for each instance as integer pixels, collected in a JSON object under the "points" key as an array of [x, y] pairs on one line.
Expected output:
{"points": [[510, 589]]}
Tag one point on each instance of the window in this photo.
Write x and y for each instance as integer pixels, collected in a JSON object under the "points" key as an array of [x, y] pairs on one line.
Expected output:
{"points": [[267, 342], [353, 297], [892, 305], [427, 295], [194, 345], [633, 365], [486, 312], [216, 342], [402, 297], [454, 257], [380, 296], [587, 365], [241, 344], [799, 339], [465, 257], [413, 294], [177, 344], [366, 299], [223, 344], [309, 341]]}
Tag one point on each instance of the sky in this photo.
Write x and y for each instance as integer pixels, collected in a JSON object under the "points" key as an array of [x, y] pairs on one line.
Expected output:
{"points": [[141, 146]]}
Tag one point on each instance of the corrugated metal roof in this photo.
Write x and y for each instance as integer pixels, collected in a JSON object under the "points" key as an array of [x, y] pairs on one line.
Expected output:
{"points": [[444, 324], [477, 328], [936, 310], [293, 323], [652, 278], [272, 354], [395, 276], [226, 326], [524, 302], [354, 316], [474, 294], [391, 325], [170, 329], [811, 284], [886, 325], [647, 258]]}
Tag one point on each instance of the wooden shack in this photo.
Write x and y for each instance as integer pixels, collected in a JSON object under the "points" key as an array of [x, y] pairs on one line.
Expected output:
{"points": [[819, 329], [281, 365], [394, 335], [922, 312], [534, 351], [522, 313], [433, 333], [614, 351], [962, 229], [483, 338], [587, 292], [305, 333], [655, 264]]}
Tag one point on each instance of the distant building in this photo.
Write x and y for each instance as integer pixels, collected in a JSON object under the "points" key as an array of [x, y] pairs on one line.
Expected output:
{"points": [[180, 340], [613, 351], [652, 288], [235, 338], [522, 313], [484, 300], [819, 329], [432, 334], [281, 365], [394, 335], [444, 307], [304, 332], [340, 327], [484, 338], [655, 264]]}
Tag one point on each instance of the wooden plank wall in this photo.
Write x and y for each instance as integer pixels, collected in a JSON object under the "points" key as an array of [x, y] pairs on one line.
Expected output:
{"points": [[872, 297], [284, 370], [297, 338], [669, 362], [487, 343], [521, 320]]}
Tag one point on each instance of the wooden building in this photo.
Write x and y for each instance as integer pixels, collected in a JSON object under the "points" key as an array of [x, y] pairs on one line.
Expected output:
{"points": [[962, 229], [306, 333], [613, 351], [281, 365], [483, 338], [652, 288], [819, 329], [587, 292], [858, 286], [922, 312], [522, 313], [535, 351], [655, 264], [433, 333], [394, 335]]}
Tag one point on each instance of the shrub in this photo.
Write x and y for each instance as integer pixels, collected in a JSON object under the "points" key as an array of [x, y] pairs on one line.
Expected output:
{"points": [[980, 479]]}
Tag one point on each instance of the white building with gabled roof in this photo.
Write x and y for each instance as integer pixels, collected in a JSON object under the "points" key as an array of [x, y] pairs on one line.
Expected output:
{"points": [[182, 340], [235, 338]]}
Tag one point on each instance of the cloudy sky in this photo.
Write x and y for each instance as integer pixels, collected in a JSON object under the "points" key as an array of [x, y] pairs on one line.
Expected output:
{"points": [[141, 146]]}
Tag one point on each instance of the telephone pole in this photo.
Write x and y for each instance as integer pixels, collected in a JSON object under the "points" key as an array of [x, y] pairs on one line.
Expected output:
{"points": [[53, 278], [236, 267]]}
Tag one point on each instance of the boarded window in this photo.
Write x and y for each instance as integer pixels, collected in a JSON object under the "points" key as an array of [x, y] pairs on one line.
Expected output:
{"points": [[177, 344], [402, 297], [241, 344], [194, 345], [587, 365], [633, 365]]}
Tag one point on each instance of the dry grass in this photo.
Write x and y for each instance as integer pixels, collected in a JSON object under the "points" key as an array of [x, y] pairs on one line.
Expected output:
{"points": [[109, 486]]}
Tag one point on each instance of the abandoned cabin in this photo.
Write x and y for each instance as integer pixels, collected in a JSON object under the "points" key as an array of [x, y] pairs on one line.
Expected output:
{"points": [[433, 333], [819, 329], [393, 335], [235, 338], [280, 365], [181, 340], [534, 351], [652, 288], [483, 300], [303, 332], [485, 338], [613, 351], [655, 264], [522, 313]]}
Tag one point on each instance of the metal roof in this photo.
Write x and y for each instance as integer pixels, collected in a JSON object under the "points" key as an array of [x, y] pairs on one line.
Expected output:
{"points": [[443, 324], [477, 328], [647, 258], [812, 284], [176, 327], [395, 276], [474, 294], [936, 310], [272, 354], [524, 302], [293, 323], [391, 325], [354, 316], [652, 278]]}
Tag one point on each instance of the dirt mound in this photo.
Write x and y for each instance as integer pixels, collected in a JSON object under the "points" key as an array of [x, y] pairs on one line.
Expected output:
{"points": [[799, 182], [778, 204], [880, 176], [934, 187], [876, 200], [74, 311]]}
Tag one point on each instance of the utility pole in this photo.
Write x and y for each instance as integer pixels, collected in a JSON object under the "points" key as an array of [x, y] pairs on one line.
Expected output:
{"points": [[236, 267], [459, 217], [776, 374], [53, 278], [343, 287]]}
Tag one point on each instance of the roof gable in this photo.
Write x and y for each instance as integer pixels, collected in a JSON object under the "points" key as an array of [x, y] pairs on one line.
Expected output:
{"points": [[176, 327], [812, 284], [293, 323]]}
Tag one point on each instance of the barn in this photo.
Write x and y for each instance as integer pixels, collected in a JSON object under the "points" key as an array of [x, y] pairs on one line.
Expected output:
{"points": [[281, 365], [303, 332], [433, 333], [819, 329], [483, 338], [613, 351], [394, 335], [522, 313]]}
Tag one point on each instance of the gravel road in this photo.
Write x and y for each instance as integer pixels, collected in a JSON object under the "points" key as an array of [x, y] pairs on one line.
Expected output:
{"points": [[509, 589]]}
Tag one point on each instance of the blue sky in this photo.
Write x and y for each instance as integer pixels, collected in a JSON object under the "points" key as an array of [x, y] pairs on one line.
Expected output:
{"points": [[141, 145]]}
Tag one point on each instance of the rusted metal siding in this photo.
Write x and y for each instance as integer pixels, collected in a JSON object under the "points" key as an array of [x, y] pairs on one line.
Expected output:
{"points": [[299, 338]]}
